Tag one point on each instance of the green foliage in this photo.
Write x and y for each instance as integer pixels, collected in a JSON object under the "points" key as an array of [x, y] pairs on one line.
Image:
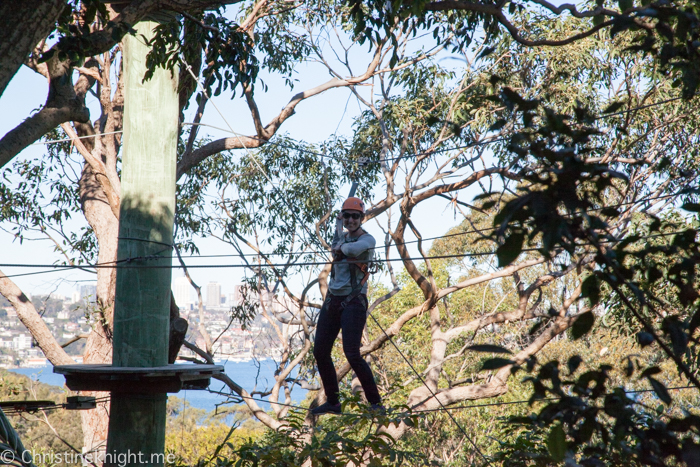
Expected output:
{"points": [[557, 200], [559, 112], [75, 40], [252, 203], [341, 440], [595, 424], [666, 31], [41, 196], [281, 42], [194, 437], [375, 19], [36, 430], [565, 204], [228, 51], [673, 40]]}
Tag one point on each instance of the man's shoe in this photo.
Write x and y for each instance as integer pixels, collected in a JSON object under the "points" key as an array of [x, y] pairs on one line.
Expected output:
{"points": [[327, 408], [377, 409]]}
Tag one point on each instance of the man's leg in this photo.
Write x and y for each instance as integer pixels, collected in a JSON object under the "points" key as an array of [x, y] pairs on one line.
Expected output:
{"points": [[353, 322], [327, 330]]}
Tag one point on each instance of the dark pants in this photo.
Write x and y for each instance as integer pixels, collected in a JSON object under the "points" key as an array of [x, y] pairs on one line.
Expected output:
{"points": [[352, 321]]}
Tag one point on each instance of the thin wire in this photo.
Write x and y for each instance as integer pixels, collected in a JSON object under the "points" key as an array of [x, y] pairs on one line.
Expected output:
{"points": [[473, 443], [201, 266], [638, 108], [225, 266], [112, 264], [13, 411], [106, 264], [37, 272], [78, 137], [467, 146], [57, 268], [291, 208], [258, 399], [439, 237], [320, 154], [300, 253], [461, 407], [354, 160], [61, 267]]}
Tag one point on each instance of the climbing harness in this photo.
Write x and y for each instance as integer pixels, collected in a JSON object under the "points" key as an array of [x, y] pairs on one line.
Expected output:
{"points": [[366, 267]]}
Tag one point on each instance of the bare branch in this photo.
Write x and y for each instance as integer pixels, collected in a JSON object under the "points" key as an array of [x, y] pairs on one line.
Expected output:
{"points": [[110, 184], [33, 322], [62, 105], [497, 12]]}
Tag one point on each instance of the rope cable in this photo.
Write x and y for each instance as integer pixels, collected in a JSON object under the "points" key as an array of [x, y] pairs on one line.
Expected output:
{"points": [[112, 264], [466, 232], [598, 117], [77, 137], [459, 407], [312, 237], [442, 406]]}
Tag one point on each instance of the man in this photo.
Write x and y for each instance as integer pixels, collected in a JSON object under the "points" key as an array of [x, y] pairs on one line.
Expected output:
{"points": [[345, 308]]}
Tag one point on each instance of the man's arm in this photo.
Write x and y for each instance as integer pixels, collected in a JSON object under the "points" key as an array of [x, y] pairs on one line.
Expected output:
{"points": [[338, 235], [364, 243]]}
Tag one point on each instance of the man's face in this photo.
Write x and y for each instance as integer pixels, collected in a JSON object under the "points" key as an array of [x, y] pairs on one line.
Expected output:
{"points": [[352, 220]]}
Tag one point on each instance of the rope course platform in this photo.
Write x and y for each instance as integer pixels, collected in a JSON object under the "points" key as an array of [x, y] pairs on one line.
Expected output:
{"points": [[147, 380], [32, 406], [10, 407]]}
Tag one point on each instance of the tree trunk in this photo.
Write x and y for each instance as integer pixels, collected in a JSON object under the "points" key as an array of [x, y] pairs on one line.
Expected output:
{"points": [[22, 25], [98, 348]]}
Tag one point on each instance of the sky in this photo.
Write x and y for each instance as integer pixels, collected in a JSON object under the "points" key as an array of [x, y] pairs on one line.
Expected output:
{"points": [[316, 119]]}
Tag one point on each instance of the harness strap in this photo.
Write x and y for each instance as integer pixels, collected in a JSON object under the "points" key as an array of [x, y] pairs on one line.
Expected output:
{"points": [[356, 290], [336, 259]]}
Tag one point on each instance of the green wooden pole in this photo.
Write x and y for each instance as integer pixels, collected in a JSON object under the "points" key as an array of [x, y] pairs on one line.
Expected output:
{"points": [[141, 311]]}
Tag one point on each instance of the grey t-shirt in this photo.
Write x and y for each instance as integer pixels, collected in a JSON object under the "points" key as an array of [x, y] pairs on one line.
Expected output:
{"points": [[361, 248]]}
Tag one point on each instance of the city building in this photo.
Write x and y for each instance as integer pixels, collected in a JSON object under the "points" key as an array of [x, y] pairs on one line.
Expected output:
{"points": [[213, 295], [88, 293], [236, 298], [22, 341], [182, 290], [67, 320]]}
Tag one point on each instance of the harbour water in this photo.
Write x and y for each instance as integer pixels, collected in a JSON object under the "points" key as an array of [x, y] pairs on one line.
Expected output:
{"points": [[247, 374]]}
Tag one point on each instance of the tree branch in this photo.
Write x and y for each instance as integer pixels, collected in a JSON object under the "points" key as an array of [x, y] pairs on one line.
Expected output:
{"points": [[110, 185], [238, 142], [497, 12], [22, 25], [259, 413], [62, 105], [32, 321]]}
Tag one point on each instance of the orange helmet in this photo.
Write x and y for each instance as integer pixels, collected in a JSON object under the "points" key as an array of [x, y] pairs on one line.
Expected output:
{"points": [[354, 204]]}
